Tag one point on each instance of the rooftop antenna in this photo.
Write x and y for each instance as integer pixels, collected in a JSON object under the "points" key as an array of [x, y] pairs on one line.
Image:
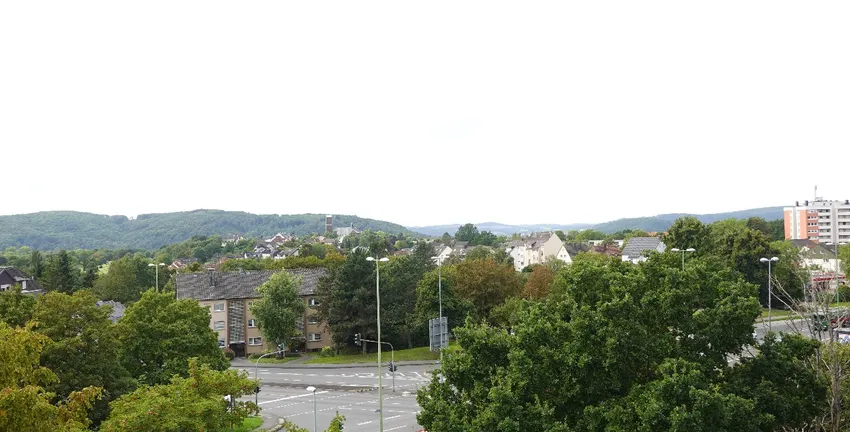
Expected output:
{"points": [[816, 192]]}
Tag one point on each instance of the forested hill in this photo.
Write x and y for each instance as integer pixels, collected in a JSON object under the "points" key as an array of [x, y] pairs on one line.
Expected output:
{"points": [[72, 230]]}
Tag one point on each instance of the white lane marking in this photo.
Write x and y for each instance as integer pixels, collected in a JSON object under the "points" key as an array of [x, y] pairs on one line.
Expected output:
{"points": [[397, 427], [290, 397], [390, 418], [365, 423]]}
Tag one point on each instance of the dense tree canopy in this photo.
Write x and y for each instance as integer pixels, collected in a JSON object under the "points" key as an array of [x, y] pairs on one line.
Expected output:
{"points": [[16, 308], [194, 403], [160, 334], [84, 349], [24, 404], [127, 278], [621, 347]]}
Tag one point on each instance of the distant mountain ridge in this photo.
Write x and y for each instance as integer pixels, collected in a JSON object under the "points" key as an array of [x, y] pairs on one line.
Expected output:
{"points": [[72, 230], [657, 223]]}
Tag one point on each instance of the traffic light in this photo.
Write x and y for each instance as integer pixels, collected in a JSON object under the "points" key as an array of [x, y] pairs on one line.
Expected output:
{"points": [[257, 389], [357, 339], [393, 367]]}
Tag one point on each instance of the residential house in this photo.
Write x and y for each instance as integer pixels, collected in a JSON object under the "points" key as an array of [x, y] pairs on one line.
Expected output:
{"points": [[638, 248], [285, 253], [817, 256], [280, 238], [570, 250], [181, 263], [535, 249], [230, 295], [230, 238], [11, 276], [460, 248], [442, 252], [342, 233], [262, 250]]}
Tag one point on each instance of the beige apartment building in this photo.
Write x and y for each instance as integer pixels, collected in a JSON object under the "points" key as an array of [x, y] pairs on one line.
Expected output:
{"points": [[229, 297]]}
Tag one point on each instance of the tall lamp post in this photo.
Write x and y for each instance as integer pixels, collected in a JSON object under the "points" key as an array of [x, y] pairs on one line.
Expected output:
{"points": [[440, 291], [380, 374], [769, 289], [315, 413], [683, 254], [157, 266]]}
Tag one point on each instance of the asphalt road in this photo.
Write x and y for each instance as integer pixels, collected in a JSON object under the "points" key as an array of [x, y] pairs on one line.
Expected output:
{"points": [[350, 391]]}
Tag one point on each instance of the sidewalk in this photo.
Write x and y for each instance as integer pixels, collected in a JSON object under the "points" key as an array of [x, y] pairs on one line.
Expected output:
{"points": [[298, 364]]}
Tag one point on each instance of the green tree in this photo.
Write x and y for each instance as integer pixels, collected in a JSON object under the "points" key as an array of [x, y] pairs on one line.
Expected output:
{"points": [[84, 349], [621, 347], [36, 266], [467, 232], [347, 299], [279, 308], [194, 403], [538, 284], [561, 235], [486, 284], [428, 298], [24, 405], [398, 295], [16, 308], [126, 279], [687, 232], [160, 334], [758, 224], [59, 274]]}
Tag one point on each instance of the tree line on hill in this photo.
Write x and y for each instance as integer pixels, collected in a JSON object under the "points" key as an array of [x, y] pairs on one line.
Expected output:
{"points": [[68, 230]]}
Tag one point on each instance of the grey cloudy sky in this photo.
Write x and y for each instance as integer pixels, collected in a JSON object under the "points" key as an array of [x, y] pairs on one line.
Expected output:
{"points": [[423, 112]]}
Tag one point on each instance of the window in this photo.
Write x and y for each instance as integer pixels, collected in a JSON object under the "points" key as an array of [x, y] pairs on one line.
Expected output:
{"points": [[312, 319], [218, 325], [314, 302], [252, 323], [221, 343], [4, 287], [219, 307], [255, 341], [315, 337]]}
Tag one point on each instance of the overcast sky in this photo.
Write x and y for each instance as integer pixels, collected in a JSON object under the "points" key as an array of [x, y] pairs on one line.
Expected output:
{"points": [[423, 112]]}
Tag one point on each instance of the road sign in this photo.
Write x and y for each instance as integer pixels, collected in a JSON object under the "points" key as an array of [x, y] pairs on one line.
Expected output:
{"points": [[438, 333]]}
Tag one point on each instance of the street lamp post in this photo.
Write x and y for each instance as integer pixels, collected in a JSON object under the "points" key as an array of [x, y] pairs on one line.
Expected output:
{"points": [[257, 373], [683, 254], [769, 289], [440, 290], [380, 381], [315, 412], [157, 266]]}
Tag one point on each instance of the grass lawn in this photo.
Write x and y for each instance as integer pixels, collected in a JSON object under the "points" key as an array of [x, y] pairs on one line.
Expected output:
{"points": [[271, 359], [250, 423], [422, 353], [776, 313]]}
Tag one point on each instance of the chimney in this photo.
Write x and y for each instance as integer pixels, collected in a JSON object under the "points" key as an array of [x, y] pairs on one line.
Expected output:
{"points": [[211, 273], [807, 203], [797, 203]]}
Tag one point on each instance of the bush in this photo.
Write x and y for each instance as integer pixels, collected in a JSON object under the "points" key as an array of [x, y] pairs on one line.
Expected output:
{"points": [[229, 353], [844, 293], [327, 352]]}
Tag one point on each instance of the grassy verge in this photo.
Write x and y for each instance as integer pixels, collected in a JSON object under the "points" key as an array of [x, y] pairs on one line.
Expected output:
{"points": [[422, 353], [271, 359], [776, 314], [249, 424]]}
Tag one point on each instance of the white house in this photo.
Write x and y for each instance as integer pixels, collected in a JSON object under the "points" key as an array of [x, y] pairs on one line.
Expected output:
{"points": [[817, 256], [638, 248], [536, 249], [442, 252]]}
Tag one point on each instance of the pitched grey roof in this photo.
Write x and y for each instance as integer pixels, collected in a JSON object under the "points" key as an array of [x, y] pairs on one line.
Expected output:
{"points": [[214, 285], [638, 245], [118, 309], [18, 276]]}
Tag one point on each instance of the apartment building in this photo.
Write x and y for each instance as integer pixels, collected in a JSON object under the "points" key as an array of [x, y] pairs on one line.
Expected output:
{"points": [[229, 297], [821, 221], [536, 249]]}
